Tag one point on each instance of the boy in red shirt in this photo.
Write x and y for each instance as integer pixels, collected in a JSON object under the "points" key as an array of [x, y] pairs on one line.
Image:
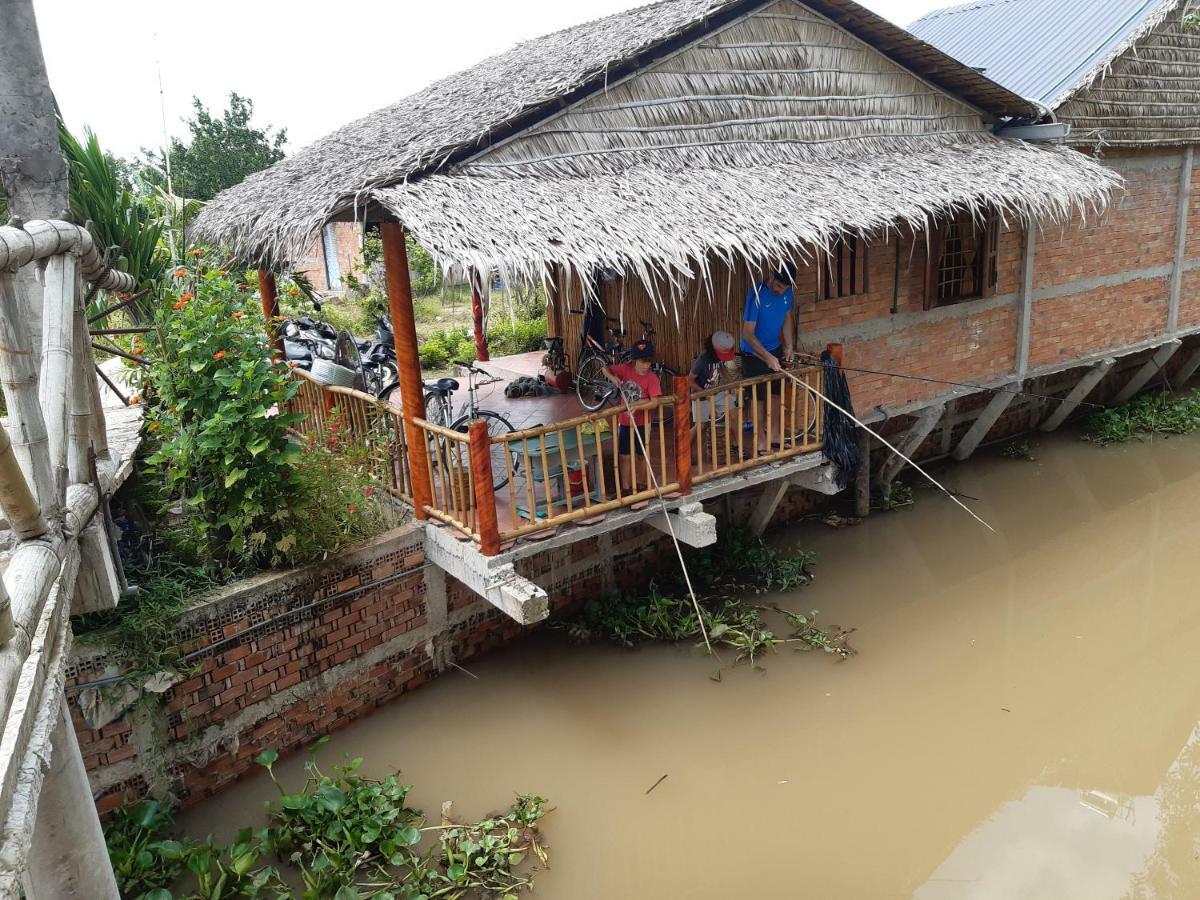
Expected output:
{"points": [[637, 382]]}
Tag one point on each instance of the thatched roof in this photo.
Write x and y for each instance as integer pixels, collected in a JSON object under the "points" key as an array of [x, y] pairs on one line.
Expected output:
{"points": [[656, 223], [576, 147]]}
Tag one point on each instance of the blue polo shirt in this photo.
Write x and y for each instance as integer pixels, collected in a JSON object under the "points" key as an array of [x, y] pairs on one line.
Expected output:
{"points": [[766, 310]]}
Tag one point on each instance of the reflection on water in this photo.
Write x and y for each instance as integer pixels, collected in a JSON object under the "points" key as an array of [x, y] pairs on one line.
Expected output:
{"points": [[1011, 728]]}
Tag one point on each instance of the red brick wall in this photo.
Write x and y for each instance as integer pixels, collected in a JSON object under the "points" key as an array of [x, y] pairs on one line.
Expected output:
{"points": [[347, 237]]}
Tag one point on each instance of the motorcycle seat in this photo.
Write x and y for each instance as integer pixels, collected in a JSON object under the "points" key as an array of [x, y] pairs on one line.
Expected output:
{"points": [[442, 386], [295, 350]]}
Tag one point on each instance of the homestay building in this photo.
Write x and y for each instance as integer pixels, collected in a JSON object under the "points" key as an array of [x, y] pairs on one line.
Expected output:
{"points": [[659, 163]]}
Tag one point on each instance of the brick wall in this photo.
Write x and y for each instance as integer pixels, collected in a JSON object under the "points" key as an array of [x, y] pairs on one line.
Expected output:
{"points": [[347, 237]]}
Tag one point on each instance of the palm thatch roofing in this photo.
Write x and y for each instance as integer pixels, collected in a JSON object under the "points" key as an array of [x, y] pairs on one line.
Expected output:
{"points": [[650, 140]]}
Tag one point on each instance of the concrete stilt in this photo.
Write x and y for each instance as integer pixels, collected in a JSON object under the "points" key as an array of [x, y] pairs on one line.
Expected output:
{"points": [[862, 479], [1078, 394], [1152, 367], [772, 494], [1187, 370], [983, 424], [913, 438], [68, 859], [690, 524]]}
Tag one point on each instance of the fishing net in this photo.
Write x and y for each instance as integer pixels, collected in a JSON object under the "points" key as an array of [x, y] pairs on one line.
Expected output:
{"points": [[841, 443]]}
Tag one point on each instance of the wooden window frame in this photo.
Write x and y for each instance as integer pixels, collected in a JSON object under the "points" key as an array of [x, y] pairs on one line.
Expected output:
{"points": [[984, 266], [844, 268]]}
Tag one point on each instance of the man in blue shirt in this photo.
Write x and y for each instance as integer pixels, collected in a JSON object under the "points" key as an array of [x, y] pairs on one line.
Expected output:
{"points": [[768, 340]]}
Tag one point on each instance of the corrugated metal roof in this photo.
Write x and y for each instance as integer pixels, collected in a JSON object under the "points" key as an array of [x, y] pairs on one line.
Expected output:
{"points": [[1040, 49]]}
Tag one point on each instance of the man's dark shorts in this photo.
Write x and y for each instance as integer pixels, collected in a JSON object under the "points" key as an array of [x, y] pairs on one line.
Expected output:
{"points": [[753, 367]]}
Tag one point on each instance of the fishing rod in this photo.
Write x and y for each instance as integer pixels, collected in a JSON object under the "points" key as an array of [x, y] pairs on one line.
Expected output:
{"points": [[812, 390], [963, 384], [637, 431]]}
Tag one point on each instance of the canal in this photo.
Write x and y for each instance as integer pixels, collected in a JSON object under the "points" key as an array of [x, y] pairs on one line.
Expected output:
{"points": [[1021, 720]]}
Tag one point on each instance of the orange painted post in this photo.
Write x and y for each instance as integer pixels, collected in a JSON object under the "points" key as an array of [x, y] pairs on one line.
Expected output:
{"points": [[481, 346], [683, 435], [485, 495], [269, 295], [404, 327]]}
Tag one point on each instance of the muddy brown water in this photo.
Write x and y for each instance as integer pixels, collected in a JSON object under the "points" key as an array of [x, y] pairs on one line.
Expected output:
{"points": [[1021, 721]]}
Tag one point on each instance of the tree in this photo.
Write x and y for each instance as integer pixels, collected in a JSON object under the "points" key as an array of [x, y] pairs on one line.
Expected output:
{"points": [[221, 151]]}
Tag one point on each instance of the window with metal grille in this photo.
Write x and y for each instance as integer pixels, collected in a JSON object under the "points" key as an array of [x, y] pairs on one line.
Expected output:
{"points": [[844, 272], [963, 260], [333, 271]]}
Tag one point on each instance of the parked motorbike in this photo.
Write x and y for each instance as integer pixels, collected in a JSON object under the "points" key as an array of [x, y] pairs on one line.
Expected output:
{"points": [[372, 360]]}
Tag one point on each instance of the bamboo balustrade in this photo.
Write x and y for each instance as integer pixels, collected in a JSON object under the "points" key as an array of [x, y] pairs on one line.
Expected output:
{"points": [[690, 439], [55, 472], [338, 414]]}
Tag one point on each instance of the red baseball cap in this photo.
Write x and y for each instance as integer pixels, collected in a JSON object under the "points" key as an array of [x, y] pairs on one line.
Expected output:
{"points": [[724, 346]]}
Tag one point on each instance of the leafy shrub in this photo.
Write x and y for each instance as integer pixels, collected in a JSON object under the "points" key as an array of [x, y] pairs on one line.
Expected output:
{"points": [[1161, 413], [528, 336], [224, 448], [442, 348]]}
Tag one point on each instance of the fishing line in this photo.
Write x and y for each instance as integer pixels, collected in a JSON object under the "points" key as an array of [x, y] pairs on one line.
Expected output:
{"points": [[812, 390], [637, 431], [963, 384]]}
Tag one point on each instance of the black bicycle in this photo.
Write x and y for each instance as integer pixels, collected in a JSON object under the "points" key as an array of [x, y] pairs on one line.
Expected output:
{"points": [[439, 410], [591, 386]]}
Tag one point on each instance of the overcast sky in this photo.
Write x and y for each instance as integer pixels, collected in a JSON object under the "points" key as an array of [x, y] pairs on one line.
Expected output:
{"points": [[309, 66]]}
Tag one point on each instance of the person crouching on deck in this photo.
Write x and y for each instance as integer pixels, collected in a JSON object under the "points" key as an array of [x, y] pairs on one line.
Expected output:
{"points": [[720, 349], [637, 382], [768, 343]]}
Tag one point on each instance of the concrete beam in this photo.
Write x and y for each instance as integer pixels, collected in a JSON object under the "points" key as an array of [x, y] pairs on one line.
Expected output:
{"points": [[823, 480], [987, 418], [489, 577], [1152, 367], [1025, 302], [908, 445], [690, 523], [1187, 370], [768, 502], [1083, 387]]}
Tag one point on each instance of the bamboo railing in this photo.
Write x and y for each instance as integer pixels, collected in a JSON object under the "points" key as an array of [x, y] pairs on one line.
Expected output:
{"points": [[569, 471], [778, 412], [337, 414]]}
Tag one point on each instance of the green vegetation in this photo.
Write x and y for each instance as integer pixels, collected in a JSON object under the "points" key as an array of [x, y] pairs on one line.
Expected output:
{"points": [[738, 564], [1161, 413], [1019, 449], [344, 836], [220, 152], [898, 496]]}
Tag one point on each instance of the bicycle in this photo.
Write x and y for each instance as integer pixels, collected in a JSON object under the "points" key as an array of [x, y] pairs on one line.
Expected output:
{"points": [[591, 386], [439, 410]]}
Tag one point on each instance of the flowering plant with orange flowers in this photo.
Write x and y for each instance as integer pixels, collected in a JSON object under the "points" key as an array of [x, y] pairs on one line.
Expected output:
{"points": [[220, 420]]}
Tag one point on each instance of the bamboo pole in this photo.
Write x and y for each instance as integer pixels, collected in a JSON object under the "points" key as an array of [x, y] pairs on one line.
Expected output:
{"points": [[269, 295], [485, 496], [404, 327], [80, 401], [19, 378], [20, 507], [58, 329], [683, 435]]}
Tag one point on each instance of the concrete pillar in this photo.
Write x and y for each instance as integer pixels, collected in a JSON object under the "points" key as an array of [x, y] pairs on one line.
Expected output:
{"points": [[983, 424], [768, 502], [1181, 235], [862, 478], [68, 859], [1025, 303], [33, 173], [1152, 367], [1187, 370], [911, 442], [1078, 394]]}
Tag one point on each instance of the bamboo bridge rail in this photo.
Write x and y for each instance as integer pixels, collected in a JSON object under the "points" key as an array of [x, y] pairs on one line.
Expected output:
{"points": [[55, 472]]}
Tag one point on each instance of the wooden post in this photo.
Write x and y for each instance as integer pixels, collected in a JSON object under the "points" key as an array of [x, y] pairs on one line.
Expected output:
{"points": [[481, 345], [683, 435], [485, 495], [269, 294], [404, 327]]}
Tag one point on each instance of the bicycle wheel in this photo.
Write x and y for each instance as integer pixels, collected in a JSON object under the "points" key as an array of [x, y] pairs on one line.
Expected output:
{"points": [[437, 409], [592, 388], [504, 461]]}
